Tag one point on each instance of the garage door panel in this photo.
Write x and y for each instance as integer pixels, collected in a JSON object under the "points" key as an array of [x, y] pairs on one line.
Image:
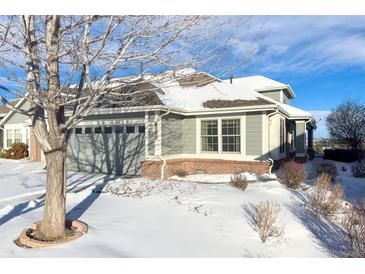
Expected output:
{"points": [[106, 153]]}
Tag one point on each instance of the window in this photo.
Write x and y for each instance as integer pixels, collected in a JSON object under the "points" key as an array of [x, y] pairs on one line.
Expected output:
{"points": [[98, 130], [141, 129], [17, 136], [9, 137], [119, 129], [78, 130], [108, 130], [88, 130], [209, 135], [282, 135], [231, 138], [130, 129]]}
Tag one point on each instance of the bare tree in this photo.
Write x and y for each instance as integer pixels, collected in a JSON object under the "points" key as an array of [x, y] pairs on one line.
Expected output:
{"points": [[65, 67], [346, 124]]}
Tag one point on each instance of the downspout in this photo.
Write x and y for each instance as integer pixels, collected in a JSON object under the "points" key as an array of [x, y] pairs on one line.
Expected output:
{"points": [[268, 139], [159, 156]]}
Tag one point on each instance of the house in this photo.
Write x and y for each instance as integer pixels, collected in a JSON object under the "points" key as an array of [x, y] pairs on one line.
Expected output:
{"points": [[16, 128], [194, 122]]}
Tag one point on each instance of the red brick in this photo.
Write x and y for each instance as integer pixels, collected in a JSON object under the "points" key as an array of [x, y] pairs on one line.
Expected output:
{"points": [[152, 168]]}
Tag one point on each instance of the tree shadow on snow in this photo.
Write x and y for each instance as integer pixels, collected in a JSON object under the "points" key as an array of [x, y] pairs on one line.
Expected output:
{"points": [[327, 234], [77, 211], [30, 205]]}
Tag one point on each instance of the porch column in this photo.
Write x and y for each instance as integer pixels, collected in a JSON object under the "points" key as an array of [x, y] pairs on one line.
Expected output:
{"points": [[310, 138], [300, 139]]}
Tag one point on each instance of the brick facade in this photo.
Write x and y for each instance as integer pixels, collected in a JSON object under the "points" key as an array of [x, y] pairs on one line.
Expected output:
{"points": [[152, 168]]}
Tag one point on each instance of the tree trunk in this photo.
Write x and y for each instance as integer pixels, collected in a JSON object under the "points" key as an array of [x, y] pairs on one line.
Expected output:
{"points": [[54, 214]]}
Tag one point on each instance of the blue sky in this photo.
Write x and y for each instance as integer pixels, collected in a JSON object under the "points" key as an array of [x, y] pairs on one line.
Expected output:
{"points": [[321, 57]]}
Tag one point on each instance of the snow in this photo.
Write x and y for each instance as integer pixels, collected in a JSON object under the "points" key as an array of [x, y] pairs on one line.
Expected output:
{"points": [[139, 217]]}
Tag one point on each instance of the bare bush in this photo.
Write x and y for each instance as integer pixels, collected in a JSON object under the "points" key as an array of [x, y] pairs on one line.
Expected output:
{"points": [[358, 170], [328, 168], [354, 225], [179, 172], [292, 174], [326, 198], [266, 214], [239, 181]]}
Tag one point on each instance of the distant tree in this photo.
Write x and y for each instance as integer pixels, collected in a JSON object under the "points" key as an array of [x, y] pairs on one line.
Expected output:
{"points": [[346, 124]]}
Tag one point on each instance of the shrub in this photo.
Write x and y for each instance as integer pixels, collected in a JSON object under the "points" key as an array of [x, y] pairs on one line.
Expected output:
{"points": [[342, 155], [326, 198], [354, 225], [266, 214], [179, 172], [328, 168], [292, 174], [239, 181], [358, 170], [17, 151]]}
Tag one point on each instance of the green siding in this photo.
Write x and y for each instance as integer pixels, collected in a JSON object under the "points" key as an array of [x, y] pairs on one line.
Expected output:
{"points": [[172, 134], [18, 118], [300, 138], [273, 94], [254, 133], [178, 135], [189, 135]]}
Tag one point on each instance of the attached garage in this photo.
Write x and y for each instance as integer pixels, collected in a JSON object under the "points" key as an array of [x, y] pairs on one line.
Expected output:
{"points": [[112, 144]]}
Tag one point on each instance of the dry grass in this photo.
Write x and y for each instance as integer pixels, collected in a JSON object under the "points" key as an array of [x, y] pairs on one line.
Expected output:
{"points": [[326, 198], [358, 170], [266, 214], [328, 168], [292, 174], [239, 181], [354, 225]]}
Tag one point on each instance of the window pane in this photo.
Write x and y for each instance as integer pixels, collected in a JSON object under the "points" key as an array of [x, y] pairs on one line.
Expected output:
{"points": [[9, 137], [108, 130], [130, 129], [209, 135], [119, 129], [231, 141], [78, 130], [88, 130], [141, 129], [17, 136], [98, 130]]}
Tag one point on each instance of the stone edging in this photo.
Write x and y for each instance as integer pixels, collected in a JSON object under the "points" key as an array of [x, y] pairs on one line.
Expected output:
{"points": [[26, 241]]}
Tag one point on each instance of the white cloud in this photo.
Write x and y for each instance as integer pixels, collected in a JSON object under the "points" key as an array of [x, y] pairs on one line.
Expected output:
{"points": [[305, 44]]}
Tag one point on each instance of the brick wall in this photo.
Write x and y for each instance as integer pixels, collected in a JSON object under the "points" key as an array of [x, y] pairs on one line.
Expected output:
{"points": [[152, 169]]}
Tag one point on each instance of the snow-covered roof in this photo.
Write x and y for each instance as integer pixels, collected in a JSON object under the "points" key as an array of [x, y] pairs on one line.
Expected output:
{"points": [[244, 88]]}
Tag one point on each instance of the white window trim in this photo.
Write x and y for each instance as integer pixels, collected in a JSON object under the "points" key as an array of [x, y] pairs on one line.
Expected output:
{"points": [[12, 127], [242, 119]]}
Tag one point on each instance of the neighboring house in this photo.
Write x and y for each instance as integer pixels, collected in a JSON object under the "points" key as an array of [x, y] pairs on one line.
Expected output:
{"points": [[196, 123], [16, 128]]}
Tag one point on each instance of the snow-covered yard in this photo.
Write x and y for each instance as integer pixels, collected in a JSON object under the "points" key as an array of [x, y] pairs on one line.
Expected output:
{"points": [[167, 218]]}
